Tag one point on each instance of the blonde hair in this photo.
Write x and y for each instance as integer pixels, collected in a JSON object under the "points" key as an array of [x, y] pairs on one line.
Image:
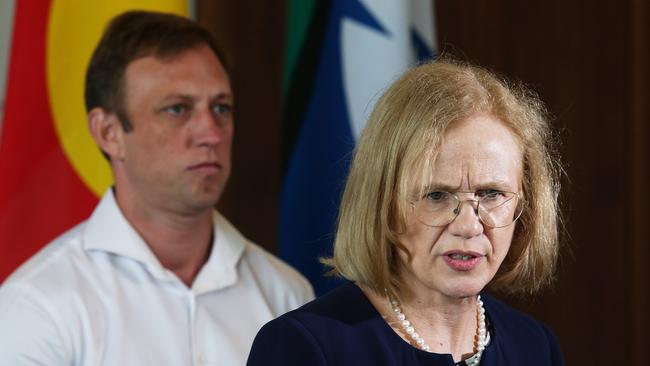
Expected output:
{"points": [[401, 138]]}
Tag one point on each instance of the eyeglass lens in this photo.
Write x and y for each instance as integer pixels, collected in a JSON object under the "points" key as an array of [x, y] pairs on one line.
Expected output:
{"points": [[494, 208]]}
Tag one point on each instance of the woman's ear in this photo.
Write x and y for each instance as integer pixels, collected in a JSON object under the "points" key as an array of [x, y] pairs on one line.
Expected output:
{"points": [[107, 132]]}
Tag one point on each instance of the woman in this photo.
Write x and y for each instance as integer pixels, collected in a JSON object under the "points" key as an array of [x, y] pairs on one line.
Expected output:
{"points": [[453, 188]]}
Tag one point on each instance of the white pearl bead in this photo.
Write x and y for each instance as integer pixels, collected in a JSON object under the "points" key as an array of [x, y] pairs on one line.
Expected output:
{"points": [[480, 339]]}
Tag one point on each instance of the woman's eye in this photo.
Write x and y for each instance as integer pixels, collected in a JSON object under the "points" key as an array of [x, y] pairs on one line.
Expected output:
{"points": [[436, 196], [489, 193]]}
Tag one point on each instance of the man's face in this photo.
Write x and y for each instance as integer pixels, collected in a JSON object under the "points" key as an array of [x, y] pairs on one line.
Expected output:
{"points": [[177, 157]]}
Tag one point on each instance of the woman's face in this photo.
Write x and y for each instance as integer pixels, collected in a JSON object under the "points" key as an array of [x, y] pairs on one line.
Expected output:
{"points": [[478, 155]]}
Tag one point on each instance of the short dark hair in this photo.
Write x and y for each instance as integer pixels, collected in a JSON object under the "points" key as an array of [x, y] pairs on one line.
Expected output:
{"points": [[130, 36]]}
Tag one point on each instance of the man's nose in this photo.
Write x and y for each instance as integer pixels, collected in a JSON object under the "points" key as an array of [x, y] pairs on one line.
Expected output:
{"points": [[209, 130]]}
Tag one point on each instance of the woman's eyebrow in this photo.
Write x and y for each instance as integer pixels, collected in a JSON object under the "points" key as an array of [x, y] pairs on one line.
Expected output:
{"points": [[440, 187]]}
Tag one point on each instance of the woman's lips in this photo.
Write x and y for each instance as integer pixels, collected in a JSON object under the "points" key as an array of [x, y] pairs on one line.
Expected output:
{"points": [[461, 260]]}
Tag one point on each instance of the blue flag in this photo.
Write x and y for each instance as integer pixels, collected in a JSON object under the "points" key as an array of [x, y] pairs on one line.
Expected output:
{"points": [[350, 52]]}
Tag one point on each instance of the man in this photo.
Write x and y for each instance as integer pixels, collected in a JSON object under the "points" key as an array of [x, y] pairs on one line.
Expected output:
{"points": [[155, 276]]}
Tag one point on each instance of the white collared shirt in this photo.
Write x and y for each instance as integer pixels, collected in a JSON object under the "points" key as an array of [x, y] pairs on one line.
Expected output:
{"points": [[97, 295]]}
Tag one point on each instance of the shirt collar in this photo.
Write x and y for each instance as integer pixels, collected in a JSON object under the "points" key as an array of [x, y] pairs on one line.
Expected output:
{"points": [[228, 246], [109, 231]]}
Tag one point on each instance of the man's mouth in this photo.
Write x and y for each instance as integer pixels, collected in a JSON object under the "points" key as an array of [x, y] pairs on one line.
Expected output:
{"points": [[207, 167]]}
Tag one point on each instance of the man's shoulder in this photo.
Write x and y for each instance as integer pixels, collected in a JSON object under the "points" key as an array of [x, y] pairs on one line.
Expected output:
{"points": [[276, 273], [47, 269], [273, 277], [48, 283]]}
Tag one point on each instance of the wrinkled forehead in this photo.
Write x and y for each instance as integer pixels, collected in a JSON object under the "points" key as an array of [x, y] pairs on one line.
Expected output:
{"points": [[472, 154]]}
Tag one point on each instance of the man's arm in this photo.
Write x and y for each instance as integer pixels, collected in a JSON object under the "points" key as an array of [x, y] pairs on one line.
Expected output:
{"points": [[28, 330]]}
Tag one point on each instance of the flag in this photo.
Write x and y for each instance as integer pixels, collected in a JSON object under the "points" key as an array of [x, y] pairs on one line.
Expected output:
{"points": [[51, 171], [340, 56]]}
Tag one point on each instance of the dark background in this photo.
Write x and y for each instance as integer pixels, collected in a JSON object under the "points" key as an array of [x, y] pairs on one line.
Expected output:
{"points": [[588, 61]]}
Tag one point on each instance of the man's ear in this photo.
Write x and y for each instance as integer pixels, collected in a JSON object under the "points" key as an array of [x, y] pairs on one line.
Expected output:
{"points": [[108, 133]]}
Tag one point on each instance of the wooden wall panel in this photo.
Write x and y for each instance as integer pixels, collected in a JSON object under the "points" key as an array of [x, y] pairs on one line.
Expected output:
{"points": [[252, 33], [639, 167], [587, 61]]}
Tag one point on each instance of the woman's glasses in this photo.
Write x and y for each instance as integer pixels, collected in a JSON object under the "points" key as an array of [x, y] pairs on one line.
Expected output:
{"points": [[494, 208]]}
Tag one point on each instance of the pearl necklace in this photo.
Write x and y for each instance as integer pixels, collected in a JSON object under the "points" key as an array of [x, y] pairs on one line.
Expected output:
{"points": [[481, 339]]}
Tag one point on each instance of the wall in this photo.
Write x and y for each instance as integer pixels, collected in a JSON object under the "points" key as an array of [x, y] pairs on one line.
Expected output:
{"points": [[588, 61]]}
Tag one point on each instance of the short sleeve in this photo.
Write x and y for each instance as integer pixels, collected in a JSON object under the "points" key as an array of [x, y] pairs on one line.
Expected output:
{"points": [[285, 342], [28, 333]]}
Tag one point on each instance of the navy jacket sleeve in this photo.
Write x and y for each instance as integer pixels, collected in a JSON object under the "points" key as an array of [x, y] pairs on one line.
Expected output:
{"points": [[554, 348], [284, 341]]}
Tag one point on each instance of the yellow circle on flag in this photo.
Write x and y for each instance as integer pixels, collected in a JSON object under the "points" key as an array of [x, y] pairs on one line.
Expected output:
{"points": [[73, 31]]}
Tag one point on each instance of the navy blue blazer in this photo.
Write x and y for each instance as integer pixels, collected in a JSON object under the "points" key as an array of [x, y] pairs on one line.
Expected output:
{"points": [[343, 328]]}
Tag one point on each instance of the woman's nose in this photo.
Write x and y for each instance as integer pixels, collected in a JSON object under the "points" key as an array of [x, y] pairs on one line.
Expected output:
{"points": [[467, 223]]}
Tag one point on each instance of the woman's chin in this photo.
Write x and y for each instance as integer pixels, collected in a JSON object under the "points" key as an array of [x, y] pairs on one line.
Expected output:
{"points": [[464, 290]]}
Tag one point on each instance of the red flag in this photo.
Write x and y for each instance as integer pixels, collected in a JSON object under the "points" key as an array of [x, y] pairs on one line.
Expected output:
{"points": [[40, 194], [50, 171]]}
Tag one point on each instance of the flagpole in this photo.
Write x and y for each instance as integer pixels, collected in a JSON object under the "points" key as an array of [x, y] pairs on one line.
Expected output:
{"points": [[192, 10], [6, 26]]}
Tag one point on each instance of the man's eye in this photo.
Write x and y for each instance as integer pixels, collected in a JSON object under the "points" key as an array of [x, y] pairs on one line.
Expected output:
{"points": [[176, 109], [221, 108]]}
